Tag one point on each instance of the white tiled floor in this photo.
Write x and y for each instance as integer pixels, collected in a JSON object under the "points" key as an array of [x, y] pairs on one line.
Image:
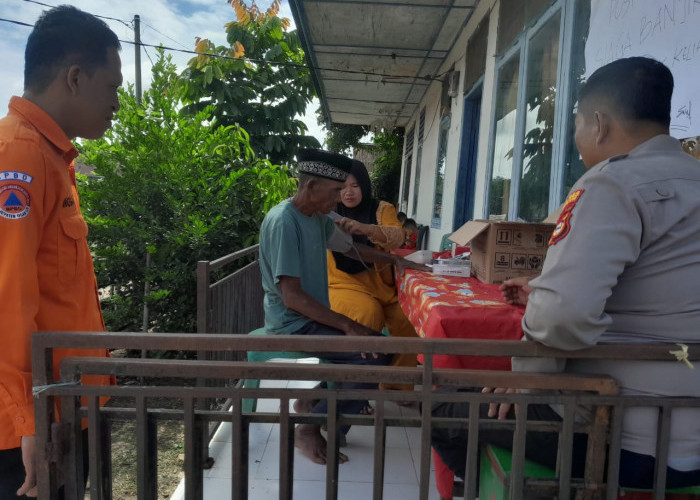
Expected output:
{"points": [[402, 466]]}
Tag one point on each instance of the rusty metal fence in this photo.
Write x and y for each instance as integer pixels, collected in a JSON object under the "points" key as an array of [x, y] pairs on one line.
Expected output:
{"points": [[227, 302], [60, 455], [230, 303]]}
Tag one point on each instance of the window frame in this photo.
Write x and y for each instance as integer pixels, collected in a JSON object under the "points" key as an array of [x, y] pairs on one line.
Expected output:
{"points": [[420, 130], [520, 48], [443, 132], [409, 149]]}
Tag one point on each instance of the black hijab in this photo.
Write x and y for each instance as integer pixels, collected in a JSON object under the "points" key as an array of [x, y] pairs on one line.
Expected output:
{"points": [[365, 212]]}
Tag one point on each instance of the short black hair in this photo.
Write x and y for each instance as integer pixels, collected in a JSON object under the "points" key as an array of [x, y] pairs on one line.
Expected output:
{"points": [[637, 88], [410, 224], [64, 36]]}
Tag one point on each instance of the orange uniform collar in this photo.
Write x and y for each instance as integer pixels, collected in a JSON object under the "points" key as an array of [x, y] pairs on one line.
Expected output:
{"points": [[45, 125]]}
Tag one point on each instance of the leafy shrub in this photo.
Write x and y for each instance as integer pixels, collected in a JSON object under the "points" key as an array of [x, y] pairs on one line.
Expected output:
{"points": [[387, 165], [177, 187]]}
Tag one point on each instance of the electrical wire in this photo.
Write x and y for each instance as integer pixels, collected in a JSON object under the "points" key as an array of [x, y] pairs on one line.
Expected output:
{"points": [[149, 56], [163, 34], [288, 64], [16, 22], [385, 77], [125, 23]]}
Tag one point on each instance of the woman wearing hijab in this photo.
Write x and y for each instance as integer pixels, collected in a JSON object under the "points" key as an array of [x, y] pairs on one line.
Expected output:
{"points": [[366, 293]]}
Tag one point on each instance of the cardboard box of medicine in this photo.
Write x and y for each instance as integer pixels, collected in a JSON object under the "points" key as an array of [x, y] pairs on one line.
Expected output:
{"points": [[501, 250]]}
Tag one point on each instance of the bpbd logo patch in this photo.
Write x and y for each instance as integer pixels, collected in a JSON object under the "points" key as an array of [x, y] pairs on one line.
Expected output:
{"points": [[14, 202]]}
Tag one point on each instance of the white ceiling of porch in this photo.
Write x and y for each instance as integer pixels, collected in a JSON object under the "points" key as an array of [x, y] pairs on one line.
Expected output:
{"points": [[374, 60]]}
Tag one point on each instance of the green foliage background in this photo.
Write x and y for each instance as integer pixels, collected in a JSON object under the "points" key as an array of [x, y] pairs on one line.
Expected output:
{"points": [[176, 186], [387, 165], [266, 95], [341, 138]]}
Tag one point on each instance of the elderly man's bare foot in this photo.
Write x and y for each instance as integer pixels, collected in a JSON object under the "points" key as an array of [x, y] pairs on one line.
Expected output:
{"points": [[304, 405], [311, 443]]}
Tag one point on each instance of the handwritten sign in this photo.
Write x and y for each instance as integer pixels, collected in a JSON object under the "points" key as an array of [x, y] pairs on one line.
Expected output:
{"points": [[667, 30]]}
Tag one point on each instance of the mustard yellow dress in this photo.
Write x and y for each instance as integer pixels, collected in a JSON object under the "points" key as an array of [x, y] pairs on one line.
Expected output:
{"points": [[370, 297]]}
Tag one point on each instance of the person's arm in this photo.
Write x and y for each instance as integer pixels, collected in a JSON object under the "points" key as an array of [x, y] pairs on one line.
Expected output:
{"points": [[29, 487], [19, 292], [387, 234], [375, 233], [588, 252], [297, 299], [365, 253]]}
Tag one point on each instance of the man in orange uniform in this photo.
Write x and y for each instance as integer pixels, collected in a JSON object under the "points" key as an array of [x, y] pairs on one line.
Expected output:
{"points": [[47, 282]]}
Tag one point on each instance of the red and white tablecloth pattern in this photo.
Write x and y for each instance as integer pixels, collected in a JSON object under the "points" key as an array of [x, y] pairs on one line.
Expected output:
{"points": [[458, 307], [455, 307]]}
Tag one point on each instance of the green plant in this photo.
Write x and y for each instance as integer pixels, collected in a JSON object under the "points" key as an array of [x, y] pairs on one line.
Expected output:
{"points": [[387, 165], [340, 137], [265, 93], [176, 187]]}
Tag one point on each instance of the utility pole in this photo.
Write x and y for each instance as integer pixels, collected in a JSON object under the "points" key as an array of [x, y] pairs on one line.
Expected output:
{"points": [[137, 85], [137, 55]]}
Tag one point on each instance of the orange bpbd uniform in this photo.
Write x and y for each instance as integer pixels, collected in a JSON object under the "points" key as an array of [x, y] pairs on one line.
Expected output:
{"points": [[47, 281]]}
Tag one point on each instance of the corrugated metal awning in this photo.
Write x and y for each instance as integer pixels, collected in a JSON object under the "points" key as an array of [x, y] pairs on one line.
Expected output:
{"points": [[372, 61]]}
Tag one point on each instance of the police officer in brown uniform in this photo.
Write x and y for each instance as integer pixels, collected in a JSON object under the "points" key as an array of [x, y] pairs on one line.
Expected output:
{"points": [[623, 265]]}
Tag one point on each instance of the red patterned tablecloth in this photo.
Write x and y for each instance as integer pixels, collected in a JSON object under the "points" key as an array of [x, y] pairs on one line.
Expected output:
{"points": [[451, 307]]}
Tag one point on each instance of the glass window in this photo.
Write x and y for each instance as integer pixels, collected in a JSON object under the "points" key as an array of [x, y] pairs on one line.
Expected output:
{"points": [[436, 220], [476, 54], [408, 165], [541, 87], [506, 104], [573, 166], [419, 158], [514, 17]]}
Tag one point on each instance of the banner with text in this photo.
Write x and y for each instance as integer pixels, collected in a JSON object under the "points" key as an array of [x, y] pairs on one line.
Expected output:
{"points": [[667, 30]]}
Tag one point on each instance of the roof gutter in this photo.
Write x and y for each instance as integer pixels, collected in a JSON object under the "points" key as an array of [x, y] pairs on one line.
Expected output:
{"points": [[302, 25]]}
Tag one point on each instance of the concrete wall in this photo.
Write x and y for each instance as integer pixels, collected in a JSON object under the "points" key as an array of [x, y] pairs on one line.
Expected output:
{"points": [[431, 103]]}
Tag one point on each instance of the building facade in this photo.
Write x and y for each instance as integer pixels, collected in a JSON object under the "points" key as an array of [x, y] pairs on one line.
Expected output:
{"points": [[489, 129]]}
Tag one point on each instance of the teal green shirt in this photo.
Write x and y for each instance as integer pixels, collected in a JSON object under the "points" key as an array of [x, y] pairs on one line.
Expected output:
{"points": [[292, 244]]}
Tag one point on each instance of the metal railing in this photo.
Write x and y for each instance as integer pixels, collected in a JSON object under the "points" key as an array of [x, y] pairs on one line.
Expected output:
{"points": [[231, 303], [60, 455], [227, 303]]}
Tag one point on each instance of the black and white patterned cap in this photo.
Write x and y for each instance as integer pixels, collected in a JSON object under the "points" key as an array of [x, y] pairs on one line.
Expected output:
{"points": [[320, 163]]}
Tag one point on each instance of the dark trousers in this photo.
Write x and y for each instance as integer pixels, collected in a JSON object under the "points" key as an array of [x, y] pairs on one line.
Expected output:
{"points": [[636, 471], [12, 471], [541, 447], [350, 407]]}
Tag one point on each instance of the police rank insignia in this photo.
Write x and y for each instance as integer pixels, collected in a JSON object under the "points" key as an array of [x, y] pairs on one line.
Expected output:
{"points": [[564, 223], [14, 201]]}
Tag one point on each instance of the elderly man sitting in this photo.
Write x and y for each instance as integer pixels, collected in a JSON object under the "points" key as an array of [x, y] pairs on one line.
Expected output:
{"points": [[293, 240]]}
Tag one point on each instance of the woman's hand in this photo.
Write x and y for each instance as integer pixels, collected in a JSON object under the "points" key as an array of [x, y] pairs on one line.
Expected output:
{"points": [[354, 227]]}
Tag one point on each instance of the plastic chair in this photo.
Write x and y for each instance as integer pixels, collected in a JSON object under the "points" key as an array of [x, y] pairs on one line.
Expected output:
{"points": [[496, 465], [445, 243], [251, 404], [422, 238], [495, 469]]}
